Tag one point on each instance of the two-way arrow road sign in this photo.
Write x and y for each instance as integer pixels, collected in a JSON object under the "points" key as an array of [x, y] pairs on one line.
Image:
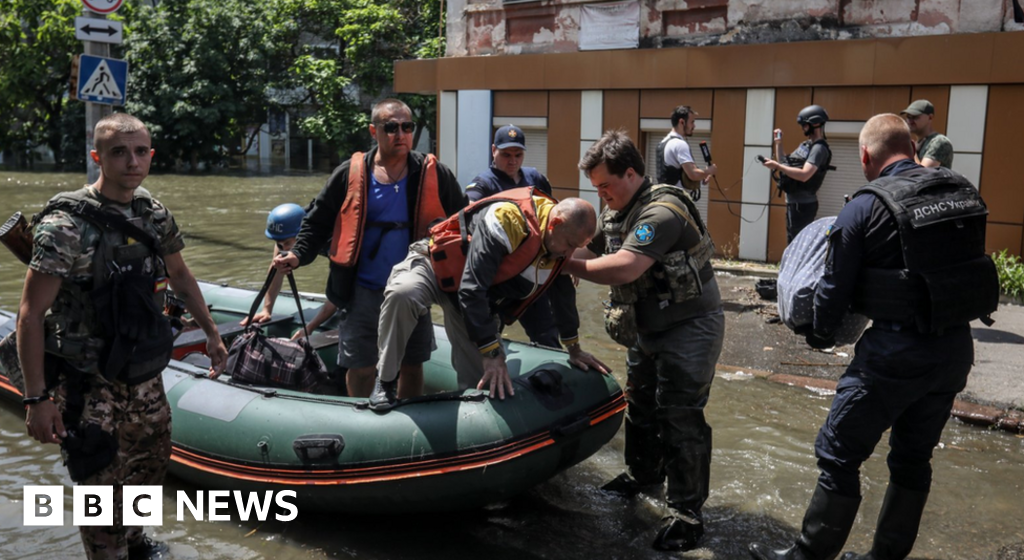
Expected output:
{"points": [[98, 30]]}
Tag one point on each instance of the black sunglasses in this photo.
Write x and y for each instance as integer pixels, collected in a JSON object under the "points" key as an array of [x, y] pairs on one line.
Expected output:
{"points": [[391, 127]]}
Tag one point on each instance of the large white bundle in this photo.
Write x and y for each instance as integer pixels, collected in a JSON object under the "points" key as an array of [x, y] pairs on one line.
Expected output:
{"points": [[802, 266]]}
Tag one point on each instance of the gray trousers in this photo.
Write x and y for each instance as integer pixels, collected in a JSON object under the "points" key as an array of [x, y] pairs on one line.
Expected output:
{"points": [[412, 288]]}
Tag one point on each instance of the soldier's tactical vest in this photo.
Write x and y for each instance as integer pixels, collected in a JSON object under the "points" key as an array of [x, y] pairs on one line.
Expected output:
{"points": [[672, 175], [948, 279], [788, 184], [113, 322], [676, 278]]}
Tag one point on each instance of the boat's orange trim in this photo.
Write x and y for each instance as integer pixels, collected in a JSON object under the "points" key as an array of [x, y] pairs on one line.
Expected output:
{"points": [[363, 475], [358, 480], [6, 385]]}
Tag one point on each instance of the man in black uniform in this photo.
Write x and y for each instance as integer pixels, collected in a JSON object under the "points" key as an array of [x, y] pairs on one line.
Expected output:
{"points": [[804, 170], [654, 251], [507, 172], [909, 252]]}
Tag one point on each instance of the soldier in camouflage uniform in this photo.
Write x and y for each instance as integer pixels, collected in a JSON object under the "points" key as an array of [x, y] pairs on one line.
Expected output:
{"points": [[96, 352], [654, 251]]}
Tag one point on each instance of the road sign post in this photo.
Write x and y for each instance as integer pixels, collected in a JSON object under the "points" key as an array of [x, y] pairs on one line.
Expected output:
{"points": [[96, 10]]}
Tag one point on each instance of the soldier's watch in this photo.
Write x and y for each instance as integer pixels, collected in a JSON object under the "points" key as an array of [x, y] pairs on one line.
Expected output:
{"points": [[29, 401]]}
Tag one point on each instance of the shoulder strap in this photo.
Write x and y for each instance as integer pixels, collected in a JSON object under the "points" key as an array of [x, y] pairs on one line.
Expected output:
{"points": [[108, 220], [263, 292]]}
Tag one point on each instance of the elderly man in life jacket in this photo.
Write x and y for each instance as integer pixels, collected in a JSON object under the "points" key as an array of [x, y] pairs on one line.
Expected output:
{"points": [[513, 250], [369, 211]]}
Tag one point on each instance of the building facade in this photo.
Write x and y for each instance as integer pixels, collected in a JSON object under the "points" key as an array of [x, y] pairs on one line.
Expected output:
{"points": [[565, 71]]}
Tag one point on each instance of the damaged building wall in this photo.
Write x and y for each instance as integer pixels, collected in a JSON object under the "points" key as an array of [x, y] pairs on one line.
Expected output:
{"points": [[503, 27]]}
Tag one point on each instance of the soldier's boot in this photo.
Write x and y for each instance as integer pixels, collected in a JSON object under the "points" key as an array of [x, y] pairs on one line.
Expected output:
{"points": [[686, 438], [826, 526], [149, 549], [383, 398], [898, 522], [643, 456]]}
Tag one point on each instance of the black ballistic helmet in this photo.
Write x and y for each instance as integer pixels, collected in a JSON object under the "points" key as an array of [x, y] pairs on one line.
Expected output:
{"points": [[813, 115]]}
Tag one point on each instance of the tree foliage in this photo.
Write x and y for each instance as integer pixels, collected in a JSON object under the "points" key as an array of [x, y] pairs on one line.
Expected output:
{"points": [[204, 73], [37, 43]]}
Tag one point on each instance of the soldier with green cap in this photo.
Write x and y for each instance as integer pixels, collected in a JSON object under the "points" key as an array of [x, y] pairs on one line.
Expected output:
{"points": [[933, 149]]}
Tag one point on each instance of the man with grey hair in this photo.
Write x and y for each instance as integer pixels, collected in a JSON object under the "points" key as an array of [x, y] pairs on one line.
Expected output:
{"points": [[519, 241], [372, 207], [909, 253]]}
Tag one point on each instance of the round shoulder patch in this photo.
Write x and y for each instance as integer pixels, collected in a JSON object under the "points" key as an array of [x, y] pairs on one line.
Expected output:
{"points": [[644, 233]]}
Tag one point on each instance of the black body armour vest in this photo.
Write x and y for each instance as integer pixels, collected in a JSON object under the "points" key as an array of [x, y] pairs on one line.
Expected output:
{"points": [[672, 175], [948, 280], [788, 184]]}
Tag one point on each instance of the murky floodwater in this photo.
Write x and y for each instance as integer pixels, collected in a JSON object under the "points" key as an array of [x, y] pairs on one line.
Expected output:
{"points": [[762, 474]]}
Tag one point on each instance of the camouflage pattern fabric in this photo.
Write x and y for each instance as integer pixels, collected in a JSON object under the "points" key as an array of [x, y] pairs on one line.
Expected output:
{"points": [[620, 323], [139, 417], [938, 147]]}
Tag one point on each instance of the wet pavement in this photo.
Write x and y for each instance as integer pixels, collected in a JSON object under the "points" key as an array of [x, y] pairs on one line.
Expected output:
{"points": [[760, 345]]}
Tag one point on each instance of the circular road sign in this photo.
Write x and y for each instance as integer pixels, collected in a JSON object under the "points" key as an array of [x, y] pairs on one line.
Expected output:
{"points": [[103, 6]]}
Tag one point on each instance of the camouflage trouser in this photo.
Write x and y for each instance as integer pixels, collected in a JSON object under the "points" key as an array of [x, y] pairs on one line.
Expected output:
{"points": [[139, 417]]}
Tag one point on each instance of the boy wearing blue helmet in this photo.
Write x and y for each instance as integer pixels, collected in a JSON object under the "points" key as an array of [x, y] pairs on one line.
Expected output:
{"points": [[283, 226]]}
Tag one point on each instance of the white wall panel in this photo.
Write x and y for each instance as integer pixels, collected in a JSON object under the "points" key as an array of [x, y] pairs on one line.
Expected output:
{"points": [[474, 133]]}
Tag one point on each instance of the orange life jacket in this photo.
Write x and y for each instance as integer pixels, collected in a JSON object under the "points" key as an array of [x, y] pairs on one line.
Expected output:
{"points": [[351, 221], [450, 239]]}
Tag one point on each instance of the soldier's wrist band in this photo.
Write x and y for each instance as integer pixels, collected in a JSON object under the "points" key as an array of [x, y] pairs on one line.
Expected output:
{"points": [[29, 401]]}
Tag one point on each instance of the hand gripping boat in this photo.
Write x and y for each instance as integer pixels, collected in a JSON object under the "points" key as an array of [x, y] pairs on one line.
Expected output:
{"points": [[447, 450]]}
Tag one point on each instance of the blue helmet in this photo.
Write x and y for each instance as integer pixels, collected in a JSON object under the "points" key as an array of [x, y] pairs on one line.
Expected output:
{"points": [[284, 221]]}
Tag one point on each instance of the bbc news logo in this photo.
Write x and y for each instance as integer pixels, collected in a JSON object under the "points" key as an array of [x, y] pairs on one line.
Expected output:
{"points": [[144, 505]]}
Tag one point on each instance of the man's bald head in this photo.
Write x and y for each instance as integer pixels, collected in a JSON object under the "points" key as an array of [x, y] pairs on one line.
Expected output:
{"points": [[571, 225], [884, 139]]}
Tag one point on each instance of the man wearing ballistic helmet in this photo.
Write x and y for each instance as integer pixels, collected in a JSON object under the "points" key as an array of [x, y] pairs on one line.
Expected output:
{"points": [[908, 252], [804, 170]]}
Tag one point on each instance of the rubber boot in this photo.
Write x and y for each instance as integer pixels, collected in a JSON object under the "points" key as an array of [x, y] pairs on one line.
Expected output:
{"points": [[826, 525], [680, 531], [383, 398], [898, 522], [643, 451], [148, 549]]}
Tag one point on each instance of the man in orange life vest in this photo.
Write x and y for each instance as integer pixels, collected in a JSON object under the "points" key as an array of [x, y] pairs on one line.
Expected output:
{"points": [[371, 208], [517, 242]]}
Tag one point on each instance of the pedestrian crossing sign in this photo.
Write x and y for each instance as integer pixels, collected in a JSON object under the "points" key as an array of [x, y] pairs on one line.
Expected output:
{"points": [[102, 80]]}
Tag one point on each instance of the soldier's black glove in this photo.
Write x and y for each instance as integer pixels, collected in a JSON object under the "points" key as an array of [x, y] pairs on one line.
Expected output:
{"points": [[819, 342]]}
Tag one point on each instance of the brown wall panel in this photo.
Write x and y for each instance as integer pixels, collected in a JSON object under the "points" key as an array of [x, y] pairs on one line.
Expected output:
{"points": [[861, 103], [724, 228], [788, 104], [939, 96], [520, 104], [1007, 62], [1000, 170], [562, 193], [776, 232], [467, 72], [564, 139], [1003, 236], [730, 66], [633, 69], [416, 76], [940, 59], [659, 103], [621, 109], [827, 63], [576, 71], [507, 72], [729, 118]]}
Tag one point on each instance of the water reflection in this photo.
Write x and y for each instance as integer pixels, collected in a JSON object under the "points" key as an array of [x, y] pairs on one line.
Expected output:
{"points": [[762, 475]]}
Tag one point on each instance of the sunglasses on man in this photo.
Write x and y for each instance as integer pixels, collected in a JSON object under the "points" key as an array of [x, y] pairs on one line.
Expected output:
{"points": [[391, 127]]}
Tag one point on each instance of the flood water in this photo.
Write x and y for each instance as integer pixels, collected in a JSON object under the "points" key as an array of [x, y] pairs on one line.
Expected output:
{"points": [[763, 469]]}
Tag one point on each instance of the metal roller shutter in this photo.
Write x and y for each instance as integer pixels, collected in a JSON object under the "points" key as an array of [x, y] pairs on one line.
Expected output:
{"points": [[845, 180], [650, 160]]}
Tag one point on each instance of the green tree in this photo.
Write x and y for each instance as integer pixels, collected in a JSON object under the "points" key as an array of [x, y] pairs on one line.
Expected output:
{"points": [[203, 72], [37, 43], [346, 61]]}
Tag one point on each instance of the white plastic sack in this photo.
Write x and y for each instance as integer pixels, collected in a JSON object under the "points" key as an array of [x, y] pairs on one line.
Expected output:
{"points": [[802, 266]]}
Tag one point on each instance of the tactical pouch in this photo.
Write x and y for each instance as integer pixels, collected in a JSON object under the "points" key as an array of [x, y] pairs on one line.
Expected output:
{"points": [[620, 323], [142, 339], [87, 451], [950, 305]]}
